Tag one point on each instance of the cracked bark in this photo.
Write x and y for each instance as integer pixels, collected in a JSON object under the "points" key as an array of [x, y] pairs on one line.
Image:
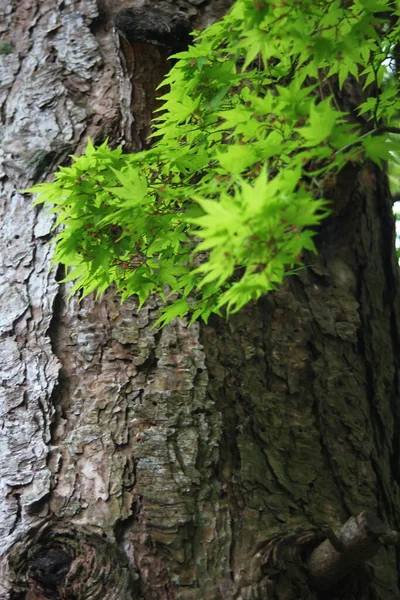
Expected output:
{"points": [[189, 463]]}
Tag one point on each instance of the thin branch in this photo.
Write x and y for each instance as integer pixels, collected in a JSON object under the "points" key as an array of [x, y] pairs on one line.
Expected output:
{"points": [[388, 130]]}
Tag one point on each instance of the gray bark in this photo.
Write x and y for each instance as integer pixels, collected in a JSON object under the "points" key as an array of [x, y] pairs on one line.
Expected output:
{"points": [[203, 462]]}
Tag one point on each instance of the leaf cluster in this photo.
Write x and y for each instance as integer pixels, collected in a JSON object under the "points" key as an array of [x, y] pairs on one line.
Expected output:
{"points": [[225, 203]]}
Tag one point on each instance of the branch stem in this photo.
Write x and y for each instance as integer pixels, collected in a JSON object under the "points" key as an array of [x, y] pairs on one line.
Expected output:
{"points": [[359, 538]]}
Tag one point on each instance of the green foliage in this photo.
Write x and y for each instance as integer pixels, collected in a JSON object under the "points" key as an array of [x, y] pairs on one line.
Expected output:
{"points": [[6, 48], [222, 207]]}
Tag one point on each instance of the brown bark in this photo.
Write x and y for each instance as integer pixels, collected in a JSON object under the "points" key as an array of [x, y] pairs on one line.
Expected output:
{"points": [[189, 463]]}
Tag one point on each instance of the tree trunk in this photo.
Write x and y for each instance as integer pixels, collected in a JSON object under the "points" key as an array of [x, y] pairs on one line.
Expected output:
{"points": [[201, 463]]}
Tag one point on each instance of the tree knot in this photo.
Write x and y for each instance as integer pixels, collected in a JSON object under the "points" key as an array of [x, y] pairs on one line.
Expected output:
{"points": [[63, 561]]}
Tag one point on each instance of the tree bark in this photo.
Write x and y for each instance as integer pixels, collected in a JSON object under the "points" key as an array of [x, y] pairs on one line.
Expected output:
{"points": [[207, 462]]}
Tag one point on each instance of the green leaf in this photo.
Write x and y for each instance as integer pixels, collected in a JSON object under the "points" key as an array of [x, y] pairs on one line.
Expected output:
{"points": [[379, 148], [321, 123], [237, 158], [179, 308]]}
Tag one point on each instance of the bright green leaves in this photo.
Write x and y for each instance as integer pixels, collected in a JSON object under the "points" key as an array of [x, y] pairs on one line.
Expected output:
{"points": [[223, 206], [379, 148], [374, 5], [237, 158], [255, 235], [133, 187], [322, 120], [179, 308]]}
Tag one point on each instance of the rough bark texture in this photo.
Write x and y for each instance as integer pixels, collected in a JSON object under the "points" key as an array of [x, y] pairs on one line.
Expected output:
{"points": [[189, 464]]}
